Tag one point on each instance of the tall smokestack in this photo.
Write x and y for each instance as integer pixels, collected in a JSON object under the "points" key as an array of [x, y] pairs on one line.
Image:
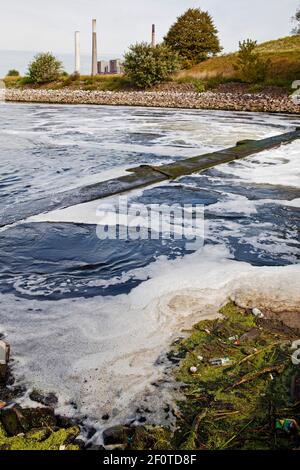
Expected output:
{"points": [[77, 52], [153, 40], [94, 48]]}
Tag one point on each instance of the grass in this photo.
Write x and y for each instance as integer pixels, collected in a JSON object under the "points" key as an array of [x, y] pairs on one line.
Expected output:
{"points": [[234, 406], [284, 56], [40, 439], [85, 82]]}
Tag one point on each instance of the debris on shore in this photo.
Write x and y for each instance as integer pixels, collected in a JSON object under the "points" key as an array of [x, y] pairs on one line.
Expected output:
{"points": [[245, 393], [239, 390]]}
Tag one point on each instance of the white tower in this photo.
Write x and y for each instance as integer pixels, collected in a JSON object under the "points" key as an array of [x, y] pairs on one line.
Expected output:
{"points": [[77, 52], [94, 47]]}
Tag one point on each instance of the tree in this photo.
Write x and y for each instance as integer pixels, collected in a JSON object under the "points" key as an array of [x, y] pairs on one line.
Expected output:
{"points": [[44, 68], [13, 73], [194, 37], [250, 66], [296, 20], [146, 65]]}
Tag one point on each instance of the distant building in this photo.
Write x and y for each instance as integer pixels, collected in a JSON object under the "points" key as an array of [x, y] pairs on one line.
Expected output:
{"points": [[103, 67], [114, 66]]}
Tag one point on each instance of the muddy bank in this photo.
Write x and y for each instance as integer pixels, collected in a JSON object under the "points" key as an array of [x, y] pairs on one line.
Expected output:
{"points": [[166, 99]]}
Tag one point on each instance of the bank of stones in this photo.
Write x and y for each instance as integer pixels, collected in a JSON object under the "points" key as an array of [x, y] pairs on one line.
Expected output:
{"points": [[165, 99]]}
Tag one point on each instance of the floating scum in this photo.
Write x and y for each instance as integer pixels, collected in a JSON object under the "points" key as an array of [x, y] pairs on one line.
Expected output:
{"points": [[142, 176], [108, 331]]}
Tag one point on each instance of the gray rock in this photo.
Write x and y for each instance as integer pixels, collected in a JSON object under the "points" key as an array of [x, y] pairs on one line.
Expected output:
{"points": [[4, 358], [13, 420], [17, 420], [117, 435], [48, 400], [4, 352]]}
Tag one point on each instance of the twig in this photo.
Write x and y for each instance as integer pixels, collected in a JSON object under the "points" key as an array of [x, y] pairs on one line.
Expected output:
{"points": [[236, 435], [248, 378], [258, 352]]}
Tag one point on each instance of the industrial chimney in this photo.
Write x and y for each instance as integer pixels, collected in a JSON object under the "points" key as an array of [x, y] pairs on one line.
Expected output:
{"points": [[94, 48], [153, 40], [77, 52]]}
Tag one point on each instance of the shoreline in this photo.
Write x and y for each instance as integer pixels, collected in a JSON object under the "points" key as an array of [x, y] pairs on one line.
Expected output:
{"points": [[257, 349], [158, 99]]}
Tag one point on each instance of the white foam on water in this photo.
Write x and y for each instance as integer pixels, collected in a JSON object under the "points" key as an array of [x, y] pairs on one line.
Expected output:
{"points": [[100, 352], [46, 147], [280, 166], [293, 203], [236, 204]]}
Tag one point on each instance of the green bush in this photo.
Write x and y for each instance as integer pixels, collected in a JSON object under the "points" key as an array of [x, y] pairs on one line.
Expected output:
{"points": [[250, 67], [44, 68], [13, 73], [146, 65]]}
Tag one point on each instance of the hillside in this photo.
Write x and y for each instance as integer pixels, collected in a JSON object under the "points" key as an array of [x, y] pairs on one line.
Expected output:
{"points": [[284, 56], [283, 53]]}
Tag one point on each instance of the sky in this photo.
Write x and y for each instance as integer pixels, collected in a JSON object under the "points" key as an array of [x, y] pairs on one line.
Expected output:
{"points": [[39, 25]]}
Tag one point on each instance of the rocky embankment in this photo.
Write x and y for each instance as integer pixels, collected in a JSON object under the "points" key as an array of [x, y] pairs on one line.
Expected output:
{"points": [[165, 99]]}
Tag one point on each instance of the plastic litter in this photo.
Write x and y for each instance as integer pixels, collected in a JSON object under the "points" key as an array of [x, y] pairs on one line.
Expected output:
{"points": [[233, 338], [220, 361], [257, 313], [290, 426]]}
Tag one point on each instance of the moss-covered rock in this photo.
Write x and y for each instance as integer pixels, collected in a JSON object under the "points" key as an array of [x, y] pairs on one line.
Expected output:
{"points": [[16, 420], [41, 439], [117, 435]]}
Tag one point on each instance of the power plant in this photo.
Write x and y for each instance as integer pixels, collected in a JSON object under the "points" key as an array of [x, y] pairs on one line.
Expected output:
{"points": [[113, 66], [102, 67]]}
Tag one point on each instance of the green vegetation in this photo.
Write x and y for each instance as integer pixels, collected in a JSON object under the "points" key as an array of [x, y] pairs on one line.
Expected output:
{"points": [[194, 37], [72, 82], [238, 405], [40, 439], [13, 73], [284, 65], [271, 64], [44, 68], [146, 66], [250, 66]]}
